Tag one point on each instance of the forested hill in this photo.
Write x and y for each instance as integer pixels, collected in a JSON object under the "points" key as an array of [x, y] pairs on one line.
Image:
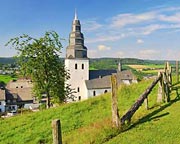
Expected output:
{"points": [[7, 60], [101, 63]]}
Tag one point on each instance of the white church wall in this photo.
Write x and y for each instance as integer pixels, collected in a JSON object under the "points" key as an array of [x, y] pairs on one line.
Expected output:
{"points": [[79, 72], [96, 92]]}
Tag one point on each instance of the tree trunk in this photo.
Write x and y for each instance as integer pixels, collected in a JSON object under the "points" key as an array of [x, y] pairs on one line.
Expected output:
{"points": [[48, 100]]}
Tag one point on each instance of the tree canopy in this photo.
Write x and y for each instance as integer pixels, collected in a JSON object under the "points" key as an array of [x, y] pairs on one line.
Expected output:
{"points": [[39, 59]]}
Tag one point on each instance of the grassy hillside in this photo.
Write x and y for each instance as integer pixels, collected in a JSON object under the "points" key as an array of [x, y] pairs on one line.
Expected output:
{"points": [[90, 121], [6, 78]]}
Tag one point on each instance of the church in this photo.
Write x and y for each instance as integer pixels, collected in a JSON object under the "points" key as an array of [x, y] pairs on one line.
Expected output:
{"points": [[88, 83]]}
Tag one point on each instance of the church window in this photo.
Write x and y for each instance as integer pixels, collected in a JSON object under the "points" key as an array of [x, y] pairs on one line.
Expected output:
{"points": [[79, 98], [77, 28], [75, 66], [78, 89], [105, 91], [82, 66], [94, 93]]}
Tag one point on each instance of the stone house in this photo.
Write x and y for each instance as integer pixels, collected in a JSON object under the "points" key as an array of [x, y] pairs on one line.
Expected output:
{"points": [[2, 100]]}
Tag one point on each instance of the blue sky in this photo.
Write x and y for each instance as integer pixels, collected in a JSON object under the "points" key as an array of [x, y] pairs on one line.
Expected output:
{"points": [[146, 29]]}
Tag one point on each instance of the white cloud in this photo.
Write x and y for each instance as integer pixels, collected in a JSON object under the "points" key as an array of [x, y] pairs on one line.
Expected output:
{"points": [[104, 38], [148, 53], [92, 54], [139, 41], [103, 48], [150, 29], [128, 18], [172, 18], [91, 25], [120, 54]]}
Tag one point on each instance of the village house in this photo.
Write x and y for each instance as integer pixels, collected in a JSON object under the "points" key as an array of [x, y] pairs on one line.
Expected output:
{"points": [[2, 100], [19, 94]]}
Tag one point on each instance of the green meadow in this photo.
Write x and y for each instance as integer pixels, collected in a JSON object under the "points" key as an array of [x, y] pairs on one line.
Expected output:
{"points": [[90, 122], [5, 78]]}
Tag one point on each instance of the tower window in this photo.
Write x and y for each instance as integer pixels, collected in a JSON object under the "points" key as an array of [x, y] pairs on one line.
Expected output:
{"points": [[79, 98], [82, 66], [75, 66], [94, 93], [78, 89]]}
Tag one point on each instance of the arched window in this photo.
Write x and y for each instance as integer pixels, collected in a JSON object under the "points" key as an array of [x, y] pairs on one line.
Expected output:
{"points": [[79, 98], [105, 91], [94, 93], [75, 66], [82, 66], [78, 89]]}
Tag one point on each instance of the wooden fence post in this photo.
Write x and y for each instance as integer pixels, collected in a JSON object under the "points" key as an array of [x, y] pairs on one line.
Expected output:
{"points": [[115, 114], [56, 130], [177, 71], [160, 95]]}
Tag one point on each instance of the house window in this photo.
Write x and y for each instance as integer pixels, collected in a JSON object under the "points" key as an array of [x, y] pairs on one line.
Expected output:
{"points": [[21, 86], [13, 107], [0, 103], [82, 66], [0, 110], [105, 91], [16, 86], [79, 98], [75, 66], [94, 93], [78, 89]]}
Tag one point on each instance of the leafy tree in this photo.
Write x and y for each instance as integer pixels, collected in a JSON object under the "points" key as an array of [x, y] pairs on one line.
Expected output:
{"points": [[39, 60]]}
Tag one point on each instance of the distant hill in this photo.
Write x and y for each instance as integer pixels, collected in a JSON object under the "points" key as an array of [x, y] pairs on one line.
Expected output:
{"points": [[8, 60], [102, 63]]}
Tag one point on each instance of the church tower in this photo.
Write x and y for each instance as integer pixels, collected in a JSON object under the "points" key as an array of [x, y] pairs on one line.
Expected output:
{"points": [[77, 61]]}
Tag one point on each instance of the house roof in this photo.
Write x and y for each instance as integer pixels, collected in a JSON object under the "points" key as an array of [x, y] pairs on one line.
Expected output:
{"points": [[2, 94], [20, 90], [93, 74], [105, 82]]}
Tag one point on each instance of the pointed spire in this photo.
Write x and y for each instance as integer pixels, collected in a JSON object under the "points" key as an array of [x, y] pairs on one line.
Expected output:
{"points": [[75, 16], [119, 66]]}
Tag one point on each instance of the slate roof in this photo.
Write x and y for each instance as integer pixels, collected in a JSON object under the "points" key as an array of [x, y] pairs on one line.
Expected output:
{"points": [[2, 94], [20, 90], [105, 82], [93, 74]]}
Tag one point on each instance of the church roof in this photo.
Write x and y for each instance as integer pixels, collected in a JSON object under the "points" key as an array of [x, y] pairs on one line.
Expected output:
{"points": [[105, 81], [100, 73]]}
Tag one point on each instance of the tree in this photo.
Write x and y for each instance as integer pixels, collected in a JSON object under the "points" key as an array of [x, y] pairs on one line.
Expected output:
{"points": [[39, 59]]}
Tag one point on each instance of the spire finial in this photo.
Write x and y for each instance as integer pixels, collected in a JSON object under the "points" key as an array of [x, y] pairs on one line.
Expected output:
{"points": [[75, 16]]}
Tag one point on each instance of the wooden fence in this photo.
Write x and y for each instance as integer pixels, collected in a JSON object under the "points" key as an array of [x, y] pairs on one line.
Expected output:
{"points": [[164, 79]]}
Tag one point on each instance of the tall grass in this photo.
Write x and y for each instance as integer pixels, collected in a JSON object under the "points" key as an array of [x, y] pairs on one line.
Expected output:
{"points": [[82, 122]]}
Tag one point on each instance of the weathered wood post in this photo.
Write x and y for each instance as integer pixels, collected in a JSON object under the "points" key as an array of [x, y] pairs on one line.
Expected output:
{"points": [[160, 96], [56, 130], [166, 82], [177, 71], [115, 114]]}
